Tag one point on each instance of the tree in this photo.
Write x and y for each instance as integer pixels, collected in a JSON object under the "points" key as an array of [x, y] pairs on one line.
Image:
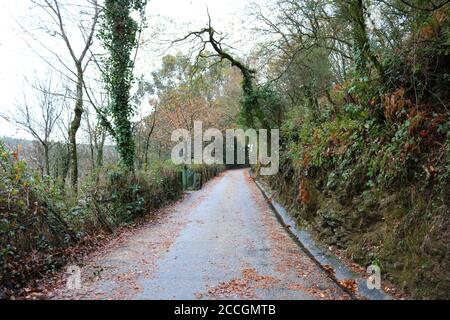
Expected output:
{"points": [[39, 116], [55, 10], [293, 29], [185, 90], [119, 35], [250, 105], [144, 130], [97, 137], [355, 11]]}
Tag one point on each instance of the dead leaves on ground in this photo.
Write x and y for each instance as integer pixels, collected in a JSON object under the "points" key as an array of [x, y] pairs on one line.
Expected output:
{"points": [[243, 287], [349, 284], [329, 269]]}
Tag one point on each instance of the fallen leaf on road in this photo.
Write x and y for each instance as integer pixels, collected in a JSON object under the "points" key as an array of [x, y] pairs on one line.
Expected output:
{"points": [[329, 269], [349, 284]]}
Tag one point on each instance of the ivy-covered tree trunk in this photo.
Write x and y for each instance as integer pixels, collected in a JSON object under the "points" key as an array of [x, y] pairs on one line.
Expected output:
{"points": [[118, 33], [251, 108], [122, 112], [356, 12]]}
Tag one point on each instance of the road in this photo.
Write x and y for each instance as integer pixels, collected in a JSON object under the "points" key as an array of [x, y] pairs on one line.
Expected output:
{"points": [[222, 242]]}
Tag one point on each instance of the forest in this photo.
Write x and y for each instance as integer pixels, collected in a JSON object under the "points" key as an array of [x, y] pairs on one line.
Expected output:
{"points": [[359, 89]]}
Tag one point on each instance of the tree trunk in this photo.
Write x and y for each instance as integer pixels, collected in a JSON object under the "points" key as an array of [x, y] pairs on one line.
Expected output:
{"points": [[46, 158], [147, 146], [66, 163], [92, 147], [74, 126], [356, 12], [100, 147]]}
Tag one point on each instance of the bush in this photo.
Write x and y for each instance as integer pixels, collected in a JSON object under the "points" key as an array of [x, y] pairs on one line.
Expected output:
{"points": [[370, 174], [39, 222], [32, 219]]}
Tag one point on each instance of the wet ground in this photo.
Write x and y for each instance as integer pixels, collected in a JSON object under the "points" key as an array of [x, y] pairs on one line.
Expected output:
{"points": [[222, 242]]}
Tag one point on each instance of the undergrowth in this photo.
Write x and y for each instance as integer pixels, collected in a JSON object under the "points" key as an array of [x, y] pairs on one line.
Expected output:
{"points": [[42, 225], [369, 172]]}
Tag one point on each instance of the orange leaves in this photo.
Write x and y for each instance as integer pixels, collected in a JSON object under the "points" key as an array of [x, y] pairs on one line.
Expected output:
{"points": [[441, 16], [243, 287], [394, 102], [416, 120], [396, 106], [306, 159], [432, 28], [334, 138], [304, 196], [427, 32], [349, 284], [15, 154]]}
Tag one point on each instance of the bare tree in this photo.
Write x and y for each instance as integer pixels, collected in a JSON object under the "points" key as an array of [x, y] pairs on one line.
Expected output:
{"points": [[96, 131], [39, 116], [208, 36], [58, 12], [144, 129], [62, 155]]}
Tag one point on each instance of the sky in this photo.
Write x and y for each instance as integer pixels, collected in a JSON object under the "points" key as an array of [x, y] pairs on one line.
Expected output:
{"points": [[167, 20]]}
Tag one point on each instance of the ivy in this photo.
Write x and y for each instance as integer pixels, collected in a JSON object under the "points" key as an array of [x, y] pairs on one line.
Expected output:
{"points": [[119, 36]]}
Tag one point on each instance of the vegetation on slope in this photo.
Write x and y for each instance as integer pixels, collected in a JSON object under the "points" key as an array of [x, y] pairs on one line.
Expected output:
{"points": [[367, 167]]}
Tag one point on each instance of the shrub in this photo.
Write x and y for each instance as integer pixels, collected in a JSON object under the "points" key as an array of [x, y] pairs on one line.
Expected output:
{"points": [[39, 222]]}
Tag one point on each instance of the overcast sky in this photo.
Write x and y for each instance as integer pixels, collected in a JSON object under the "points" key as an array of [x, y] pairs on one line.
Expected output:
{"points": [[166, 19]]}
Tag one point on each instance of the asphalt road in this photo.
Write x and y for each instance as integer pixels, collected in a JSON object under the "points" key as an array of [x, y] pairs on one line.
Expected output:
{"points": [[222, 242]]}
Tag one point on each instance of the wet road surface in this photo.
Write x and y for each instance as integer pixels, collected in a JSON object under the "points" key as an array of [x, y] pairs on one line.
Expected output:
{"points": [[222, 242]]}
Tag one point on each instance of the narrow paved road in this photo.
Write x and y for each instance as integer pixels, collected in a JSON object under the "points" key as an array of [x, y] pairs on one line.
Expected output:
{"points": [[223, 242]]}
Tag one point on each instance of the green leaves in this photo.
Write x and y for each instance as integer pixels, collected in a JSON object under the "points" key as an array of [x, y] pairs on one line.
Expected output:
{"points": [[119, 36]]}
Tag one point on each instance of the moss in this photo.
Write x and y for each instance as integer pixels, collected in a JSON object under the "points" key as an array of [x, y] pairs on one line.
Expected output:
{"points": [[403, 231]]}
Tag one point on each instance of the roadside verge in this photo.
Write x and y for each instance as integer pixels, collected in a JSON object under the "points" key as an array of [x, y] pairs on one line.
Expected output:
{"points": [[331, 264]]}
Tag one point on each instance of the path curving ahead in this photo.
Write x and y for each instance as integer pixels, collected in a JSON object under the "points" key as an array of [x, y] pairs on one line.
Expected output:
{"points": [[222, 242]]}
